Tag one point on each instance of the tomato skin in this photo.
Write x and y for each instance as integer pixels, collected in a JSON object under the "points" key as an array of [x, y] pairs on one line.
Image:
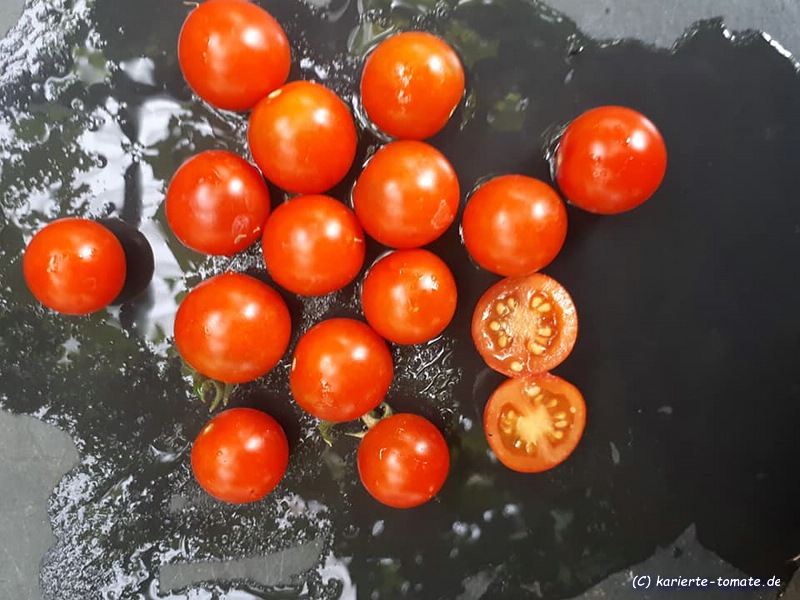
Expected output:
{"points": [[313, 245], [610, 160], [341, 370], [223, 44], [403, 461], [303, 137], [514, 225], [534, 411], [407, 195], [217, 203], [232, 328], [240, 455], [411, 84], [74, 266], [534, 335], [409, 296]]}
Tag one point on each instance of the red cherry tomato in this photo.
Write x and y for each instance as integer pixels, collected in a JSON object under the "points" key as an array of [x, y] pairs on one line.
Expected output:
{"points": [[409, 296], [407, 195], [233, 54], [303, 137], [74, 266], [217, 203], [240, 455], [525, 325], [514, 225], [232, 328], [403, 461], [534, 424], [341, 370], [610, 160], [313, 245], [411, 84]]}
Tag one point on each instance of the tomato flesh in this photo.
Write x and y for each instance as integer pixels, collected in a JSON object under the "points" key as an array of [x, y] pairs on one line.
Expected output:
{"points": [[534, 424], [240, 455], [525, 325]]}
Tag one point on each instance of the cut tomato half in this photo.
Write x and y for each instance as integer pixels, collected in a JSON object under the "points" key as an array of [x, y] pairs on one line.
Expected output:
{"points": [[534, 424], [525, 325]]}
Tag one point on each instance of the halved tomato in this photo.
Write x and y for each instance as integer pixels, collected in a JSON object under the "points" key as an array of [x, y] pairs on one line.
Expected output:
{"points": [[525, 325], [534, 424]]}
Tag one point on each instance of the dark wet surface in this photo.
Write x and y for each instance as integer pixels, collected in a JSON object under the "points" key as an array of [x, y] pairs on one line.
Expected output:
{"points": [[688, 352]]}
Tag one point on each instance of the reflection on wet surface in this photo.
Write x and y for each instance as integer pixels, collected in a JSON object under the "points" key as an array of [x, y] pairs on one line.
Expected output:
{"points": [[95, 120]]}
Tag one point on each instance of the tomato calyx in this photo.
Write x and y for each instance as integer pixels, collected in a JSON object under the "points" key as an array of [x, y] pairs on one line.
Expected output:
{"points": [[208, 391], [369, 420]]}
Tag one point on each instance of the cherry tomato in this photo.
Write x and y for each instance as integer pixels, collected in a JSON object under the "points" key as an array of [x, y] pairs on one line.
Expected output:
{"points": [[240, 455], [341, 370], [514, 225], [217, 203], [313, 245], [525, 325], [409, 296], [232, 328], [303, 137], [407, 195], [233, 54], [411, 84], [610, 159], [403, 461], [74, 266], [534, 424]]}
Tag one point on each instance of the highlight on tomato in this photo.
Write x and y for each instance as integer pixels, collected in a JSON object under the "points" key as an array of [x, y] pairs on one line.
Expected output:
{"points": [[233, 53], [240, 455], [313, 245], [407, 195], [303, 137], [523, 326], [534, 424], [409, 296], [403, 461], [341, 370], [411, 84], [610, 160], [75, 266], [217, 203], [514, 225], [232, 328]]}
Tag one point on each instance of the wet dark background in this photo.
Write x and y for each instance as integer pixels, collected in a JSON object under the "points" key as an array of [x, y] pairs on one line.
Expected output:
{"points": [[690, 334]]}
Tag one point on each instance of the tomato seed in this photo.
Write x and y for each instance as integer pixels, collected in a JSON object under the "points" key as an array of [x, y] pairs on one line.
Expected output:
{"points": [[533, 391], [557, 434], [530, 447], [543, 308], [545, 331], [537, 349], [516, 367], [552, 403], [536, 301], [560, 424], [494, 326], [560, 415], [502, 341]]}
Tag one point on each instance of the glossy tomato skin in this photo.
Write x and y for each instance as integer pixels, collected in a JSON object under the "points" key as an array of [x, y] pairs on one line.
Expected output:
{"points": [[409, 296], [74, 266], [313, 245], [411, 84], [232, 328], [407, 195], [232, 53], [341, 370], [534, 424], [240, 455], [610, 160], [523, 326], [403, 461], [217, 203], [303, 137], [514, 225]]}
